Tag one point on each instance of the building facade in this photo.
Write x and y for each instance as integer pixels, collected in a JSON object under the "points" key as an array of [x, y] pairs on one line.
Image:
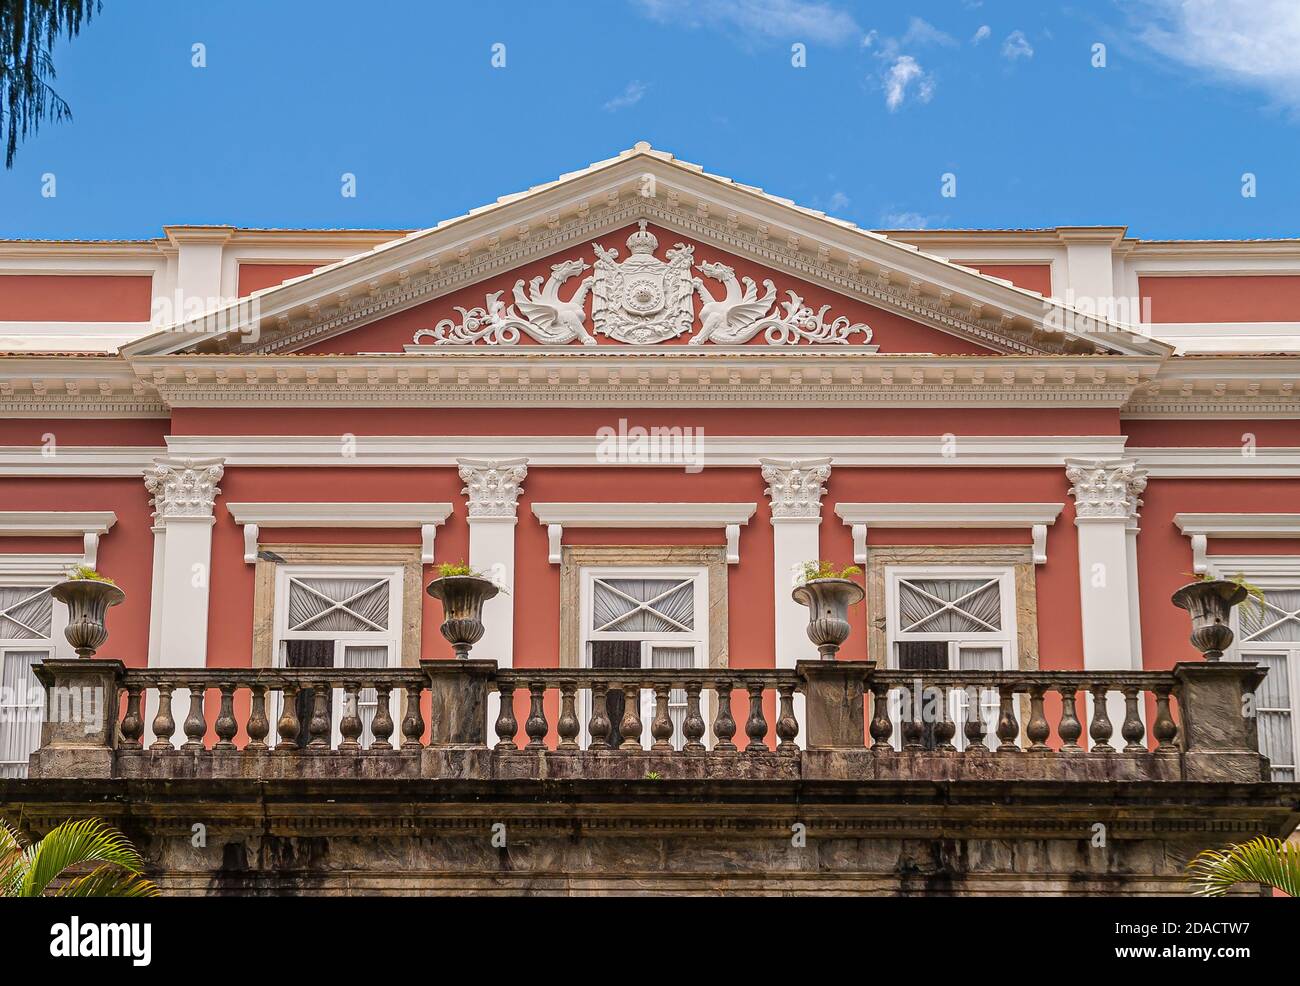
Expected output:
{"points": [[640, 398]]}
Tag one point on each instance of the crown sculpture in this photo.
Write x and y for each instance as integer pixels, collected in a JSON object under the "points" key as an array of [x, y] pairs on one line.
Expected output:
{"points": [[642, 301]]}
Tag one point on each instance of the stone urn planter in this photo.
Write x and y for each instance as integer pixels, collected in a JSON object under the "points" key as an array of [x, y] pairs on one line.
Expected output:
{"points": [[87, 601], [462, 598], [828, 602], [1210, 603]]}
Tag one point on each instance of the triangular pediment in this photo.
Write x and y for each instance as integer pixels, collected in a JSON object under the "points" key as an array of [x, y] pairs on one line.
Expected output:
{"points": [[527, 271]]}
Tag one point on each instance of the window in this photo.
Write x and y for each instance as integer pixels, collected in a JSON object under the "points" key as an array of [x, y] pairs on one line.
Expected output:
{"points": [[959, 619], [1268, 633], [338, 617], [645, 618], [29, 625]]}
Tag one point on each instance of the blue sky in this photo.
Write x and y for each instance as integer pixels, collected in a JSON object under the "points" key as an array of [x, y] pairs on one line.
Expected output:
{"points": [[404, 95]]}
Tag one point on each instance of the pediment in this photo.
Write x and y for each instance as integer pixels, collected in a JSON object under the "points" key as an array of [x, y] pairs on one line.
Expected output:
{"points": [[562, 266]]}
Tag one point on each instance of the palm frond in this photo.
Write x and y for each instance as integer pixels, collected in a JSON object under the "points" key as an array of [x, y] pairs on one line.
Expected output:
{"points": [[1267, 861], [11, 859], [109, 881], [72, 843]]}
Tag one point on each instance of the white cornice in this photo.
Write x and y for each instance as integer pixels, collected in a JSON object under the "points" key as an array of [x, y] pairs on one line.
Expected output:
{"points": [[77, 460], [1200, 527], [89, 525], [663, 376], [729, 516], [1219, 387], [863, 516], [43, 567], [1228, 462], [1256, 568], [719, 451], [254, 516]]}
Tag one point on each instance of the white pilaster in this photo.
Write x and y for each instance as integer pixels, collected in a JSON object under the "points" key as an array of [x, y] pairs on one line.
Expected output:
{"points": [[183, 491], [795, 488], [1106, 494], [492, 488]]}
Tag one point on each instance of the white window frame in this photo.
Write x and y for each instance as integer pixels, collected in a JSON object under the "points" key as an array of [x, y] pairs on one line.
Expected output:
{"points": [[696, 638], [390, 637], [1244, 650], [55, 645], [1005, 638]]}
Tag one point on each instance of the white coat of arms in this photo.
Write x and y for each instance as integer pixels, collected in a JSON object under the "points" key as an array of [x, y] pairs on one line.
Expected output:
{"points": [[643, 299]]}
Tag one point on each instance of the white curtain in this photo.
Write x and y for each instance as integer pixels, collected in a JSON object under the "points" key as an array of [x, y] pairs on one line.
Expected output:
{"points": [[674, 657], [21, 710], [921, 606], [624, 605], [1275, 715], [1274, 621], [25, 612], [368, 698]]}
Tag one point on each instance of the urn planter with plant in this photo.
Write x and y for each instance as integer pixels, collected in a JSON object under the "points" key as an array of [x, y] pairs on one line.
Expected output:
{"points": [[463, 592], [87, 594], [828, 592], [1209, 602]]}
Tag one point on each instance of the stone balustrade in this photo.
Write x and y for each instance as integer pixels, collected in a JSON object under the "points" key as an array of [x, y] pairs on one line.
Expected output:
{"points": [[858, 723]]}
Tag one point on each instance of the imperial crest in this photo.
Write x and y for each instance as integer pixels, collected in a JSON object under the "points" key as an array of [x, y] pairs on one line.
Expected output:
{"points": [[643, 299]]}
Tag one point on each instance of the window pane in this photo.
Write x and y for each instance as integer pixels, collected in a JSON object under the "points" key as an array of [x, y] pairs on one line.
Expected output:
{"points": [[949, 605], [347, 605], [980, 659], [21, 711], [643, 605], [1276, 708], [1276, 620], [25, 612]]}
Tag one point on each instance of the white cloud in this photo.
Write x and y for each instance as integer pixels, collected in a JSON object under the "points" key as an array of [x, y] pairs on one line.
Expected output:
{"points": [[903, 75], [838, 201], [630, 96], [1247, 42], [1017, 46], [922, 32], [905, 220], [759, 20], [982, 34]]}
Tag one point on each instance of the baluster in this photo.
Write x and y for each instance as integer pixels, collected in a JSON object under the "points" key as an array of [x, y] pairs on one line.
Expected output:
{"points": [[506, 726], [1132, 730], [318, 728], [756, 724], [693, 724], [196, 726], [944, 728], [225, 726], [258, 725], [132, 725], [630, 727], [913, 729], [568, 725], [164, 725], [787, 726], [1037, 730], [881, 726], [1101, 729], [413, 720], [1165, 729], [350, 721], [536, 725], [287, 726], [1069, 729], [1008, 727], [724, 727], [598, 726], [974, 726], [661, 726], [381, 726]]}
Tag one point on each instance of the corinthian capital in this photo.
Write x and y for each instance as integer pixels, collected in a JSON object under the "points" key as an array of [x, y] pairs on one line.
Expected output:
{"points": [[492, 486], [1106, 488], [796, 486], [183, 487]]}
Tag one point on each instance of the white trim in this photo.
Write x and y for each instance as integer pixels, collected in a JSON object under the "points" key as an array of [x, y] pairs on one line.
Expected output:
{"points": [[1231, 461], [78, 460], [90, 525], [862, 516], [41, 566], [254, 516], [1200, 527], [1225, 337], [729, 516], [280, 451], [1257, 568]]}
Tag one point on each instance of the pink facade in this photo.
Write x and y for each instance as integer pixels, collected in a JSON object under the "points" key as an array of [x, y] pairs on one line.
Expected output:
{"points": [[1024, 464]]}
